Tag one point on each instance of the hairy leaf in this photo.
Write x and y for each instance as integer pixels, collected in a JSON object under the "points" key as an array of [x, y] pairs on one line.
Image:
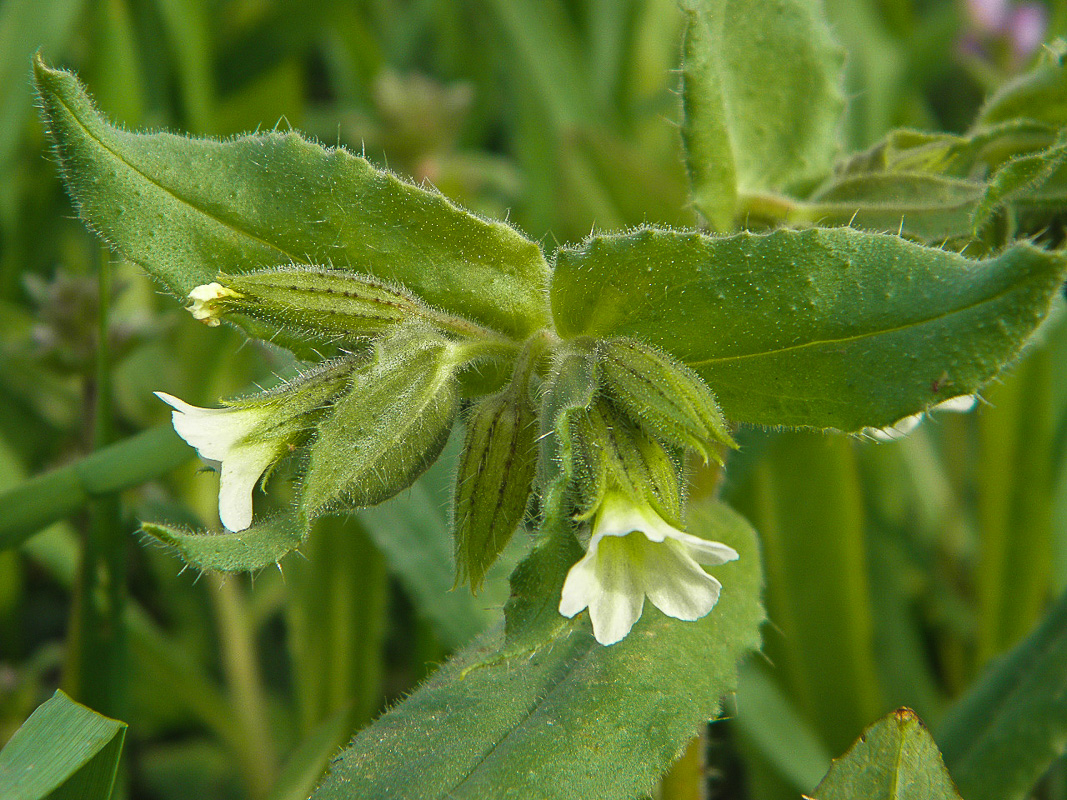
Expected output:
{"points": [[895, 759], [1009, 727], [187, 209], [832, 328], [602, 722]]}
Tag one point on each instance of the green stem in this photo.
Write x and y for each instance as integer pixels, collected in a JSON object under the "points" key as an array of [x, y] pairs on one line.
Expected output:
{"points": [[249, 698], [42, 500]]}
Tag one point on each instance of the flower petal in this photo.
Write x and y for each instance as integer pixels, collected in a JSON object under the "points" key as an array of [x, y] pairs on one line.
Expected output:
{"points": [[705, 551], [212, 431], [960, 404], [617, 599], [240, 472], [898, 430], [675, 583], [580, 585]]}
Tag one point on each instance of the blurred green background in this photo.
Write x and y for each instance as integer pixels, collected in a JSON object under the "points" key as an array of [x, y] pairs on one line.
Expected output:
{"points": [[896, 572]]}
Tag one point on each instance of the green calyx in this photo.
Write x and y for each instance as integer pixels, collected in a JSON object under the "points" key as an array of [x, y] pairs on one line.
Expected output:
{"points": [[388, 428]]}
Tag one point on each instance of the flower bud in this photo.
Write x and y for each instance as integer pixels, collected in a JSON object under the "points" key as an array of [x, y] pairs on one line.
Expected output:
{"points": [[619, 456], [390, 426], [494, 479], [307, 300], [667, 397]]}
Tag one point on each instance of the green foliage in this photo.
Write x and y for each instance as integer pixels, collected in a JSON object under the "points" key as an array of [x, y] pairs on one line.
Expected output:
{"points": [[602, 722], [1006, 730], [897, 572], [194, 208], [895, 759], [64, 751], [266, 542], [821, 328], [762, 100]]}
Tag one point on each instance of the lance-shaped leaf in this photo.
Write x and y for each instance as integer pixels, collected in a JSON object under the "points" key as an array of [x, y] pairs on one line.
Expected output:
{"points": [[1009, 727], [64, 750], [258, 546], [832, 328], [895, 759], [927, 207], [761, 99], [602, 722], [388, 429], [187, 209]]}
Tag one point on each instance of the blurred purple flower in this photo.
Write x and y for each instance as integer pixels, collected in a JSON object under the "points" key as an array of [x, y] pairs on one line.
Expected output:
{"points": [[1023, 26]]}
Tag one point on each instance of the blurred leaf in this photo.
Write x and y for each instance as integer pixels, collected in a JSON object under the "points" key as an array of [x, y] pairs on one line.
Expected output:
{"points": [[64, 751], [1014, 503], [575, 717], [766, 715], [762, 99], [1040, 94], [303, 770], [823, 328], [804, 497], [1009, 727], [895, 759], [273, 199], [26, 27], [336, 605]]}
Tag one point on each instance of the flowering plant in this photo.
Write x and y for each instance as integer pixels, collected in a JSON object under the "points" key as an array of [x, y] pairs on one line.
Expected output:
{"points": [[594, 384]]}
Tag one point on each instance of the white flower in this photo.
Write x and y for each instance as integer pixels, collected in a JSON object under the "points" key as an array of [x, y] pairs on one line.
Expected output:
{"points": [[203, 303], [634, 552], [222, 435], [902, 427]]}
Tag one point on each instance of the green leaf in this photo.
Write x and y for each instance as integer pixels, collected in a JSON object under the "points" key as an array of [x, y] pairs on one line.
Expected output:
{"points": [[765, 715], [1014, 485], [895, 759], [1009, 727], [1022, 179], [761, 97], [186, 209], [26, 27], [831, 328], [253, 548], [804, 497], [64, 751], [602, 722], [1040, 94], [929, 208]]}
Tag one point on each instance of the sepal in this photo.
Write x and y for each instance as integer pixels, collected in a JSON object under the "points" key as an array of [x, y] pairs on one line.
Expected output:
{"points": [[389, 427], [664, 395], [494, 480]]}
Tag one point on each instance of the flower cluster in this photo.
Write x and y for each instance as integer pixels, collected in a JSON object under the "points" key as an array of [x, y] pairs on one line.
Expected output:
{"points": [[376, 424]]}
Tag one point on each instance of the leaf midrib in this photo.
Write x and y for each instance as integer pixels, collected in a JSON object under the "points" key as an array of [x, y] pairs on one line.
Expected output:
{"points": [[162, 187], [867, 335]]}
